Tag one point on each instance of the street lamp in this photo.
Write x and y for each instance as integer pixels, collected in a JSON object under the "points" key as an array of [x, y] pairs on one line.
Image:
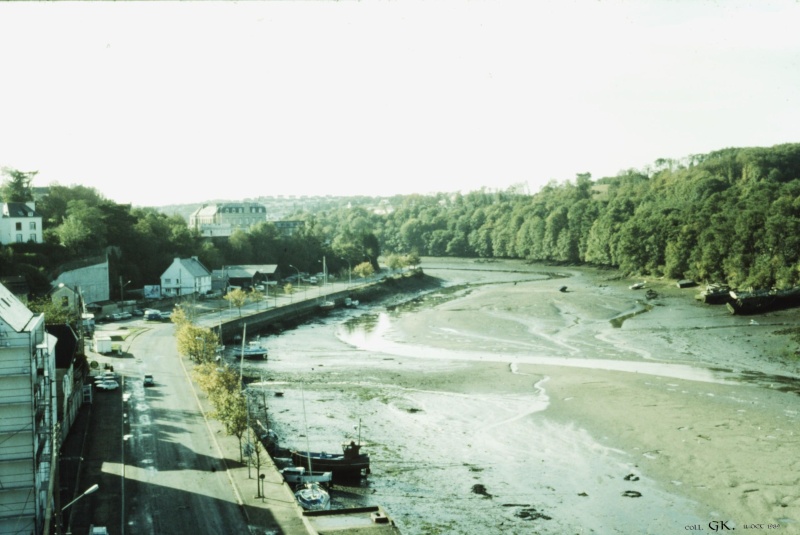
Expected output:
{"points": [[88, 491], [298, 275], [122, 289], [349, 274]]}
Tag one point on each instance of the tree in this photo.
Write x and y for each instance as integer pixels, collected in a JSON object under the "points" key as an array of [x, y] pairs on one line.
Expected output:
{"points": [[17, 188], [364, 270], [256, 296], [230, 408], [237, 298]]}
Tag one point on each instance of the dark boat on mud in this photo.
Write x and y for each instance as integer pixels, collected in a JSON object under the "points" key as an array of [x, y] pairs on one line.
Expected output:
{"points": [[759, 301], [350, 464], [715, 294]]}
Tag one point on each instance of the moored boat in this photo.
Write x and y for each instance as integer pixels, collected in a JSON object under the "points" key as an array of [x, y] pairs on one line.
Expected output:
{"points": [[349, 464], [327, 305], [298, 474], [312, 497], [759, 301], [715, 294]]}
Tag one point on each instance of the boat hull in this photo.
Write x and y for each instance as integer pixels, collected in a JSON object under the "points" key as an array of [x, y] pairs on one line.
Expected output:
{"points": [[337, 464]]}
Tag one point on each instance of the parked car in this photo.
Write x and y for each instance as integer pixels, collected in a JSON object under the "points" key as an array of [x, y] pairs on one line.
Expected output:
{"points": [[312, 280], [152, 315], [148, 380], [108, 384]]}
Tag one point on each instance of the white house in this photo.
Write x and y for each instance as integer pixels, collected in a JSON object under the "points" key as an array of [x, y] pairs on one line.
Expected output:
{"points": [[186, 276], [20, 223], [27, 417]]}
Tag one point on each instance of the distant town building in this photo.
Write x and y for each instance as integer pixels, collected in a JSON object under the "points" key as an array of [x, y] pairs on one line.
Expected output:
{"points": [[20, 223], [289, 228], [27, 417], [221, 220]]}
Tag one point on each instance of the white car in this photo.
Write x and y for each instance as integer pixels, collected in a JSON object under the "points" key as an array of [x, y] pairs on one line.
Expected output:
{"points": [[148, 380], [108, 384]]}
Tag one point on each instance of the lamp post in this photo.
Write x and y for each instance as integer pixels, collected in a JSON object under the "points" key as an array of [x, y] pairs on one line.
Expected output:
{"points": [[88, 491], [122, 289], [298, 276]]}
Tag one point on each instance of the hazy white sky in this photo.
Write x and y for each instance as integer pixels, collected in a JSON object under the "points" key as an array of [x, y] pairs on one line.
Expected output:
{"points": [[161, 103]]}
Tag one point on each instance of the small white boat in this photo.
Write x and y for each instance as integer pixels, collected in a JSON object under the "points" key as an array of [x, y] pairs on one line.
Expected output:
{"points": [[312, 497], [298, 474], [637, 286], [327, 305]]}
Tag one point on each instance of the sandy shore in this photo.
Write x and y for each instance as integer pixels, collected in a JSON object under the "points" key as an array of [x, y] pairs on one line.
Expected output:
{"points": [[593, 410], [733, 445]]}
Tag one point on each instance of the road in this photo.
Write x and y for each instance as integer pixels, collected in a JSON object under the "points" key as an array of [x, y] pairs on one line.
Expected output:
{"points": [[174, 477]]}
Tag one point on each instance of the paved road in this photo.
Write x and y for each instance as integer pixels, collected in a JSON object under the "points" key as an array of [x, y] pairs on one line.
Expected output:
{"points": [[175, 479]]}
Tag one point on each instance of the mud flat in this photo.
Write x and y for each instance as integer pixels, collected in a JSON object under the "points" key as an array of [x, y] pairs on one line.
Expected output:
{"points": [[501, 403]]}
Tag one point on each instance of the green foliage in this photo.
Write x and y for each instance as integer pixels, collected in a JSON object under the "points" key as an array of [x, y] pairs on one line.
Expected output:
{"points": [[55, 313], [17, 186], [237, 298], [363, 270]]}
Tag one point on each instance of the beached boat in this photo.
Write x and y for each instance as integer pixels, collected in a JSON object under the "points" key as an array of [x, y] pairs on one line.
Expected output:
{"points": [[254, 350], [299, 475], [759, 301], [637, 286], [327, 305], [715, 294], [312, 497], [349, 464]]}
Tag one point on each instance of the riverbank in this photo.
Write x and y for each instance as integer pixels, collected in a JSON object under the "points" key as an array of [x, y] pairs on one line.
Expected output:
{"points": [[610, 412]]}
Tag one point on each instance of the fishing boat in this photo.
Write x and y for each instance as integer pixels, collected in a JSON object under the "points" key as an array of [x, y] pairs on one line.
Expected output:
{"points": [[312, 497], [350, 464], [299, 475]]}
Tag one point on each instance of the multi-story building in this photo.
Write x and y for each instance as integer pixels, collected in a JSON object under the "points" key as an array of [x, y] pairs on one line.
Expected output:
{"points": [[27, 417], [20, 223], [221, 220], [185, 276]]}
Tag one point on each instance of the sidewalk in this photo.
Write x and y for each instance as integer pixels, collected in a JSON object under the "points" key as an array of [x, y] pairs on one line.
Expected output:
{"points": [[276, 511]]}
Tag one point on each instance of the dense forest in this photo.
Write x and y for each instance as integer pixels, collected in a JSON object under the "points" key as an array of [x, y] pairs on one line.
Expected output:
{"points": [[729, 216]]}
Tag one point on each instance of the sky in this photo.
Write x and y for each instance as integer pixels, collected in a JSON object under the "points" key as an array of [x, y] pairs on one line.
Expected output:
{"points": [[161, 103]]}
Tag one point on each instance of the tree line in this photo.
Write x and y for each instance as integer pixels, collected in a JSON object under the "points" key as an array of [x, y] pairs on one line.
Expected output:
{"points": [[730, 216]]}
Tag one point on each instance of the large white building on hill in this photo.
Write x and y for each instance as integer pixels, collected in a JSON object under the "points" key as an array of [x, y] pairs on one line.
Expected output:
{"points": [[221, 220]]}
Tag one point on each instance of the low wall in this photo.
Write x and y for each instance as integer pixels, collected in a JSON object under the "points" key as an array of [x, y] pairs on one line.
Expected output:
{"points": [[262, 321]]}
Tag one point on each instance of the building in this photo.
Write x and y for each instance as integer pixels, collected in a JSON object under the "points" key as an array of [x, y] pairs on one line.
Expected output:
{"points": [[20, 223], [289, 228], [27, 417], [244, 276], [185, 276], [90, 276], [221, 220]]}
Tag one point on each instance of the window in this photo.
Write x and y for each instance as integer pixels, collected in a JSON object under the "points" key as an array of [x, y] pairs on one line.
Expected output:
{"points": [[65, 301], [19, 237], [18, 226], [167, 281], [33, 225]]}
